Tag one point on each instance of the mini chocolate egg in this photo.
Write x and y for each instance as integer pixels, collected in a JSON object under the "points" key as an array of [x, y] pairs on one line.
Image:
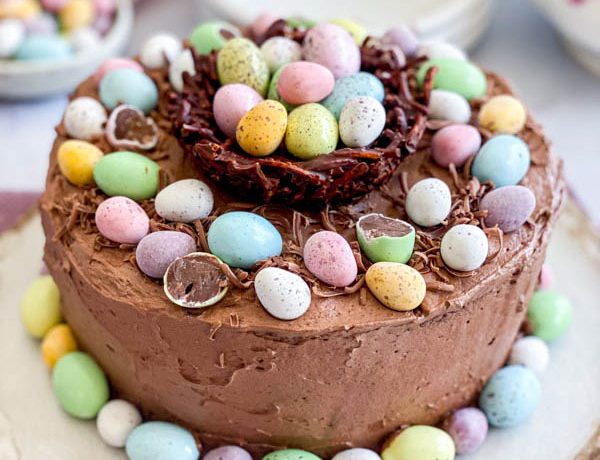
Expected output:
{"points": [[184, 62], [359, 32], [116, 420], [12, 34], [54, 5], [419, 442], [185, 288], [77, 160], [161, 440], [241, 239], [329, 257], [128, 86], [503, 114], [76, 14], [159, 50], [384, 239], [227, 453], [105, 6], [468, 428], [455, 75], [300, 22], [43, 47], [531, 352], [311, 131], [361, 122], [333, 47], [84, 118], [84, 39], [231, 103], [504, 160], [446, 105], [464, 247], [40, 306], [42, 24], [113, 64], [304, 82], [185, 201], [357, 453], [274, 94], [19, 9], [58, 341], [122, 220], [283, 294], [510, 396], [291, 454], [346, 88], [428, 202], [396, 285], [157, 250], [128, 128], [546, 277], [279, 51], [455, 144], [261, 129], [403, 37], [261, 24], [508, 207], [127, 174], [440, 50], [240, 61], [550, 314], [213, 35]]}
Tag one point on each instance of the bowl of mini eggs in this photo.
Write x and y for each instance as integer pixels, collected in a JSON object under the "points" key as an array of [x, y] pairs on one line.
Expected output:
{"points": [[48, 46]]}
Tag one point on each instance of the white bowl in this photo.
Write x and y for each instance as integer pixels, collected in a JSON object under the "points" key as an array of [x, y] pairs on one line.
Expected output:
{"points": [[32, 79]]}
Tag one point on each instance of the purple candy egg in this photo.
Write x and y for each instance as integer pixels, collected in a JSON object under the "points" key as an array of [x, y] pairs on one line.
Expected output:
{"points": [[156, 251], [228, 453], [41, 24], [103, 23], [329, 257], [468, 428], [508, 207], [332, 47], [404, 38], [455, 144]]}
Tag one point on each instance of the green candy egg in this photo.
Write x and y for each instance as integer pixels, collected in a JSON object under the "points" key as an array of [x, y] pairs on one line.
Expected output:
{"points": [[127, 174], [455, 75], [384, 239], [240, 61], [298, 22], [291, 454], [312, 130], [420, 442], [212, 35], [549, 314], [80, 385], [274, 94]]}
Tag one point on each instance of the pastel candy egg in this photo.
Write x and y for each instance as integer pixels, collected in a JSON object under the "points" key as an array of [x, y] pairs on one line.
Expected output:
{"points": [[103, 23], [58, 341], [76, 14], [261, 129], [84, 118], [510, 396], [303, 82], [546, 277], [77, 160], [503, 114], [183, 63], [359, 32], [531, 352], [273, 93], [242, 239], [43, 47], [403, 37], [464, 247], [504, 160], [279, 51], [80, 385], [240, 61], [443, 50], [54, 5], [455, 75], [311, 131], [549, 314], [396, 285], [300, 22], [455, 144], [428, 202], [231, 103], [329, 257], [186, 200], [129, 128], [105, 6], [446, 105], [261, 24], [12, 34], [156, 251], [420, 442], [127, 174], [161, 440], [113, 64], [357, 453], [283, 294], [361, 122], [228, 453], [210, 36], [159, 50], [84, 39], [19, 9], [40, 306], [508, 207], [347, 88], [333, 47], [122, 220], [43, 23], [116, 420], [128, 86], [468, 428], [384, 239], [291, 454]]}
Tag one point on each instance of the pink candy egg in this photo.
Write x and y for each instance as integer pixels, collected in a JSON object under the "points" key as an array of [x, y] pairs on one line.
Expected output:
{"points": [[113, 64], [261, 24], [122, 220], [54, 5], [304, 82], [105, 6], [546, 277], [103, 23], [455, 144], [333, 47], [231, 103], [329, 257]]}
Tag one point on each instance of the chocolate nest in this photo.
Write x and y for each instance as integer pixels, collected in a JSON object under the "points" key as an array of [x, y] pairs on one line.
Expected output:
{"points": [[341, 175]]}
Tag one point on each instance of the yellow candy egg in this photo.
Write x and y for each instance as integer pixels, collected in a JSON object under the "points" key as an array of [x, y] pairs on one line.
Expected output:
{"points": [[19, 9], [261, 129], [420, 442], [58, 341], [40, 306], [396, 285], [76, 160], [358, 31], [503, 114], [76, 14]]}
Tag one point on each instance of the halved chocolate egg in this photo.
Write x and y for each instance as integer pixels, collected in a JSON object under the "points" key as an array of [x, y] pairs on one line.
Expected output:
{"points": [[385, 239], [128, 128]]}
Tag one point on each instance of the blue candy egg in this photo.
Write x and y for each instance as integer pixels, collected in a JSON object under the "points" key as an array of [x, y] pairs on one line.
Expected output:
{"points": [[510, 396], [503, 159], [346, 88], [161, 440], [128, 86], [42, 46], [240, 239]]}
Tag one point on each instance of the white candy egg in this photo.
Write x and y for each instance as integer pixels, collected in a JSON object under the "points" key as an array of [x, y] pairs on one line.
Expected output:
{"points": [[12, 34], [283, 294], [464, 247], [446, 105], [531, 352], [116, 420], [441, 50], [358, 453], [84, 118], [184, 201], [279, 51], [159, 50], [182, 63], [428, 202], [361, 122], [84, 38]]}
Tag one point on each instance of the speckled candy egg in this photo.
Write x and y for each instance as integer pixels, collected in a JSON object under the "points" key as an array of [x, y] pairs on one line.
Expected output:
{"points": [[438, 49], [113, 64], [116, 420], [311, 131], [428, 202], [304, 82], [333, 47], [159, 50], [550, 314], [84, 118], [128, 86], [447, 105], [503, 159], [41, 46], [122, 220], [531, 352], [346, 88], [184, 62], [261, 129], [291, 454], [279, 51], [508, 207], [242, 239], [231, 103], [396, 285], [420, 442], [213, 35], [12, 34], [357, 453], [283, 294], [455, 144], [403, 37], [358, 31], [186, 200], [329, 257], [361, 122], [77, 160], [510, 396], [468, 428], [228, 453], [240, 61], [273, 93], [161, 440], [464, 247], [129, 128], [156, 251], [455, 75], [503, 114]]}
